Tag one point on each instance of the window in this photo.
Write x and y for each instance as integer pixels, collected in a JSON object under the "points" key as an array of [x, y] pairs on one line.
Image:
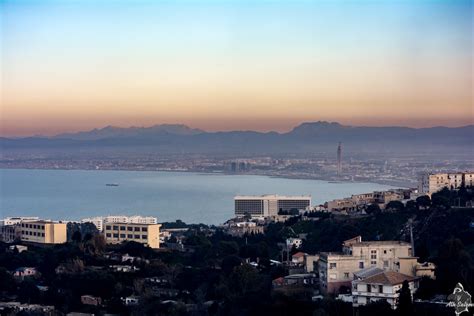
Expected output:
{"points": [[346, 275], [137, 236], [129, 229], [385, 252], [361, 265], [369, 288], [130, 236], [122, 235], [385, 264], [144, 237], [122, 227], [115, 235], [373, 263], [144, 229], [332, 265], [115, 227], [373, 254], [108, 235], [42, 234], [137, 229], [108, 227], [380, 288]]}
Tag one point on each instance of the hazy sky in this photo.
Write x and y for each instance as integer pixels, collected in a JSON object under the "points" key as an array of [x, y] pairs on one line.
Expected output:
{"points": [[220, 65]]}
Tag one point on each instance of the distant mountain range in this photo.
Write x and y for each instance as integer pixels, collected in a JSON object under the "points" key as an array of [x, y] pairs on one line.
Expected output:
{"points": [[305, 138]]}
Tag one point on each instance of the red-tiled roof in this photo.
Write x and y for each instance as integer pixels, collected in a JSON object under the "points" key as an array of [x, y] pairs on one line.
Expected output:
{"points": [[388, 277], [298, 254]]}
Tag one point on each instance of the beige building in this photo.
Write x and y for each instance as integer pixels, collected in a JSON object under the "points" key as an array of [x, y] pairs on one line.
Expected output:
{"points": [[44, 232], [381, 286], [148, 234], [346, 204], [430, 183], [337, 269]]}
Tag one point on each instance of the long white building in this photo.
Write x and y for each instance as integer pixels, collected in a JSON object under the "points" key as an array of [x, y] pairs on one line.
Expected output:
{"points": [[99, 221], [269, 205], [17, 220], [430, 183]]}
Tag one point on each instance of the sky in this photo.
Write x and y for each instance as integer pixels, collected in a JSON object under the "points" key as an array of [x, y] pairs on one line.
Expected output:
{"points": [[234, 65]]}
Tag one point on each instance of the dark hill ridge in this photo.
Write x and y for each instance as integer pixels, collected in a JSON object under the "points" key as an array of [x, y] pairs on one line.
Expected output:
{"points": [[307, 137]]}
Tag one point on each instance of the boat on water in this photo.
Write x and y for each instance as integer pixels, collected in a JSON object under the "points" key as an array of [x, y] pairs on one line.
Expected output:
{"points": [[112, 184]]}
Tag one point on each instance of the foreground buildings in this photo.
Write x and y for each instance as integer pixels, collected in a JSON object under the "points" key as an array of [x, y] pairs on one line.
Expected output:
{"points": [[43, 232], [269, 205], [430, 183], [337, 269], [383, 285], [148, 234]]}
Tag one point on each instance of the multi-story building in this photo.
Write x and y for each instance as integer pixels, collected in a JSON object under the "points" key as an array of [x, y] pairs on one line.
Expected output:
{"points": [[346, 204], [430, 183], [43, 232], [148, 234], [10, 233], [269, 205], [17, 220], [381, 286], [99, 221], [337, 269]]}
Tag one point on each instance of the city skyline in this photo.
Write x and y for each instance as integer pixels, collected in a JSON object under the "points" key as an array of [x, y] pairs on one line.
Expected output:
{"points": [[234, 65]]}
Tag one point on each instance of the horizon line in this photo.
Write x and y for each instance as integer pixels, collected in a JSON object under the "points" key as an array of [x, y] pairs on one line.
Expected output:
{"points": [[118, 126]]}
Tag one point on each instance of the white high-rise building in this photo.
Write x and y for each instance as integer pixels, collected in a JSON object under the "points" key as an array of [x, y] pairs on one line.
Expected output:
{"points": [[269, 205]]}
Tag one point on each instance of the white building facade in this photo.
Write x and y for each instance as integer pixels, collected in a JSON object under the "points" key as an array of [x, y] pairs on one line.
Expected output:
{"points": [[269, 205], [99, 221], [382, 286]]}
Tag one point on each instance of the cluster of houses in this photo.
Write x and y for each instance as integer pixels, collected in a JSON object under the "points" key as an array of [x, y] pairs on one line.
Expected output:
{"points": [[364, 271], [359, 202]]}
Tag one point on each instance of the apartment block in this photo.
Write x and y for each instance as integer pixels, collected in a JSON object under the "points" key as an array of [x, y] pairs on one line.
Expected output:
{"points": [[430, 183], [99, 221], [43, 232], [336, 269], [148, 234], [269, 205]]}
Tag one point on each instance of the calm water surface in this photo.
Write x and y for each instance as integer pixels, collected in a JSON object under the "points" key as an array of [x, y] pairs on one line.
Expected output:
{"points": [[191, 197]]}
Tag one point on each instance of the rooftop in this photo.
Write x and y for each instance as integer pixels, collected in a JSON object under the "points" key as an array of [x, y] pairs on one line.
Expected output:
{"points": [[388, 278], [367, 272], [272, 196]]}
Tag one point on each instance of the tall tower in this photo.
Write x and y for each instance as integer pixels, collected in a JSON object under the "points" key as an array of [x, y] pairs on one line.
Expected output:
{"points": [[339, 159]]}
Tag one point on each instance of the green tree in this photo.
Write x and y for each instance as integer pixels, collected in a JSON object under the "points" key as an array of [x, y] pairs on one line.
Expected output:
{"points": [[453, 265], [28, 292], [76, 237], [423, 201], [395, 206], [405, 304], [7, 283], [373, 209]]}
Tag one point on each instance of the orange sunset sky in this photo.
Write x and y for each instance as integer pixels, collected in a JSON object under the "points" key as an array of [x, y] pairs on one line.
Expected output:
{"points": [[225, 65]]}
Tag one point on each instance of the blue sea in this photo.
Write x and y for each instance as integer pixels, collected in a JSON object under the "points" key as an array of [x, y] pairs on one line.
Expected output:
{"points": [[191, 197]]}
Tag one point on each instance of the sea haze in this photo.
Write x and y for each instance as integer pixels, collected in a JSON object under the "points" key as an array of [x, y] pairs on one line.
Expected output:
{"points": [[191, 197]]}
